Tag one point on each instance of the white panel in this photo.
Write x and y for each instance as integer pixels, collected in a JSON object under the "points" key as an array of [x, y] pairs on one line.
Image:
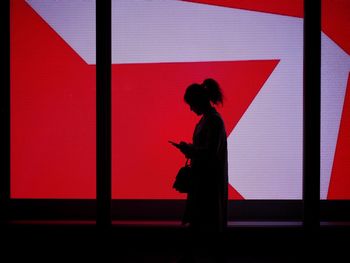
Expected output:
{"points": [[177, 31], [265, 148], [74, 21], [335, 68]]}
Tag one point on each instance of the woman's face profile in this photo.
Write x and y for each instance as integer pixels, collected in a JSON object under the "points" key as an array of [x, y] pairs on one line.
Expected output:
{"points": [[196, 109]]}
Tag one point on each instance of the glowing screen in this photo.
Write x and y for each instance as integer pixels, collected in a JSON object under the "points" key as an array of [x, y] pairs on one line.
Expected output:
{"points": [[335, 100], [254, 49]]}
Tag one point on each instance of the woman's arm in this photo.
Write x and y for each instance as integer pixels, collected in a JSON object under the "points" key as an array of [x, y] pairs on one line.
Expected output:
{"points": [[211, 143]]}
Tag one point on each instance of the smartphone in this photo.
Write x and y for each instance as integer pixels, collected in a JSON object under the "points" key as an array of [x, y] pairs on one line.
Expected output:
{"points": [[175, 144]]}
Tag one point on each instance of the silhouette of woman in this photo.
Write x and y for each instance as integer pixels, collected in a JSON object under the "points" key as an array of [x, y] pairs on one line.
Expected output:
{"points": [[206, 206]]}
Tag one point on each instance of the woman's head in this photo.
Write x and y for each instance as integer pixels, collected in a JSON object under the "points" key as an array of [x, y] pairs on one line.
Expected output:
{"points": [[200, 96]]}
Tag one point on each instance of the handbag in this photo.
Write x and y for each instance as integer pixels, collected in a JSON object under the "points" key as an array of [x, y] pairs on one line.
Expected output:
{"points": [[183, 178]]}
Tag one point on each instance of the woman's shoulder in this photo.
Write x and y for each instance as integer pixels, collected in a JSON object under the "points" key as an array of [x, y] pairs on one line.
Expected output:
{"points": [[215, 118]]}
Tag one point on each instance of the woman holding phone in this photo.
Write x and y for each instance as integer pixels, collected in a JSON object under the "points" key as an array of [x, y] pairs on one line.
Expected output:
{"points": [[206, 208], [206, 204]]}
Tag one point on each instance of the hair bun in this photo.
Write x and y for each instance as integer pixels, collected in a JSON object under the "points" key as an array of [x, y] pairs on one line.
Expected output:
{"points": [[214, 91]]}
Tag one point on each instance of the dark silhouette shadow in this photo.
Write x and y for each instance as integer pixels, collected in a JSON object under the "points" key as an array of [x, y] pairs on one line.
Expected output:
{"points": [[206, 204]]}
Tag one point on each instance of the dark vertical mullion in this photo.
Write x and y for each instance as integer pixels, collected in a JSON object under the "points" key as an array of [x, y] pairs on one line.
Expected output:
{"points": [[103, 104], [5, 109], [312, 107]]}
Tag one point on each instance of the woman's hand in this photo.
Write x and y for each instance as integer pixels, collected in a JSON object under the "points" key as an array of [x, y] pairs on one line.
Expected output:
{"points": [[185, 148]]}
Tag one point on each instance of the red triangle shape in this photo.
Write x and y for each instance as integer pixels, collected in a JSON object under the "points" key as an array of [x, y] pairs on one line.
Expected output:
{"points": [[233, 194], [148, 110]]}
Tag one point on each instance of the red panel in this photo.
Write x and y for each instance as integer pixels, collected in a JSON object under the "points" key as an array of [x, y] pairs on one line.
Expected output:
{"points": [[336, 22], [289, 8], [339, 187], [52, 113], [148, 110]]}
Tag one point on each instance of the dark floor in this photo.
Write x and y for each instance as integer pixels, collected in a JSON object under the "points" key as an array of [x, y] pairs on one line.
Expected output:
{"points": [[245, 242]]}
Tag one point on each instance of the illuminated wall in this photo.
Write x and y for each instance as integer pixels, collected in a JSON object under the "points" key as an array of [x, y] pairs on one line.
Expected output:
{"points": [[254, 50], [335, 100], [53, 118]]}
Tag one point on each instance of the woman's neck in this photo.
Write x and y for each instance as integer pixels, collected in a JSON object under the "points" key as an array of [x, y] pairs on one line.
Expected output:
{"points": [[208, 109]]}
